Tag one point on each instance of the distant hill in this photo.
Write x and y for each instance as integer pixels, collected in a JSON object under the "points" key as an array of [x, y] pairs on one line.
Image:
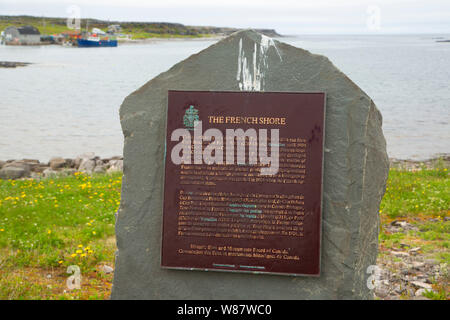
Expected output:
{"points": [[137, 30]]}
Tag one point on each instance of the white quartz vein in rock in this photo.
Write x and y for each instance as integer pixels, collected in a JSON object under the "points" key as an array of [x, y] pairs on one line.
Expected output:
{"points": [[251, 77]]}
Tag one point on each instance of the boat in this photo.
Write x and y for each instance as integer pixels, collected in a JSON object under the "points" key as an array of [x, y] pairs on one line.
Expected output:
{"points": [[95, 41], [96, 38]]}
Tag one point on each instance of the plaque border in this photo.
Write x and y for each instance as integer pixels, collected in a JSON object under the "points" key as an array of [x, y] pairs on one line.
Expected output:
{"points": [[321, 193]]}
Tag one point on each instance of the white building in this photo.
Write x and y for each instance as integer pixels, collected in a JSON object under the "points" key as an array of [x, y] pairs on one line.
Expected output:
{"points": [[26, 35], [114, 28]]}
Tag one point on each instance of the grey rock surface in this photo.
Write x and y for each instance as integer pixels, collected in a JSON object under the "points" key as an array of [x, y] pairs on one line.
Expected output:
{"points": [[19, 164], [85, 156], [422, 285], [106, 269], [115, 165], [57, 162], [87, 165], [13, 172], [355, 173]]}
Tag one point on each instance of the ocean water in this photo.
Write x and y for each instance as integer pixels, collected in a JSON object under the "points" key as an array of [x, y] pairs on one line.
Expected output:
{"points": [[67, 102]]}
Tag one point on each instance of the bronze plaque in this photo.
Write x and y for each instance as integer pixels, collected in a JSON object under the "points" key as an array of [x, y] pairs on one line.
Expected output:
{"points": [[220, 212]]}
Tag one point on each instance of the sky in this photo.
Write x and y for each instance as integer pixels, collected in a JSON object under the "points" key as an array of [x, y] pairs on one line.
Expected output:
{"points": [[288, 17]]}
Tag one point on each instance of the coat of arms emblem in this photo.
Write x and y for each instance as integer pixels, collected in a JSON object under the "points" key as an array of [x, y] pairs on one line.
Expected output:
{"points": [[190, 116]]}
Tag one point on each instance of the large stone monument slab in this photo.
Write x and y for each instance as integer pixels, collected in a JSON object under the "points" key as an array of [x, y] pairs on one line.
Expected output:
{"points": [[354, 175]]}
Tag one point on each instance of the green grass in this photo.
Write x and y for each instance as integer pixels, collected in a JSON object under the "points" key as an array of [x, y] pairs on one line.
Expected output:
{"points": [[422, 198], [54, 223], [391, 240], [414, 193], [48, 29], [440, 295]]}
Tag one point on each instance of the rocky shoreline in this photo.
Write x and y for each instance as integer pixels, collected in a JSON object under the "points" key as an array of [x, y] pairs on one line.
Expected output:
{"points": [[414, 165], [57, 166], [90, 163]]}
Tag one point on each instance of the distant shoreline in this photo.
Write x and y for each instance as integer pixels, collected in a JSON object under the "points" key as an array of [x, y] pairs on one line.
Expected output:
{"points": [[90, 163], [134, 29], [13, 64], [154, 40]]}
